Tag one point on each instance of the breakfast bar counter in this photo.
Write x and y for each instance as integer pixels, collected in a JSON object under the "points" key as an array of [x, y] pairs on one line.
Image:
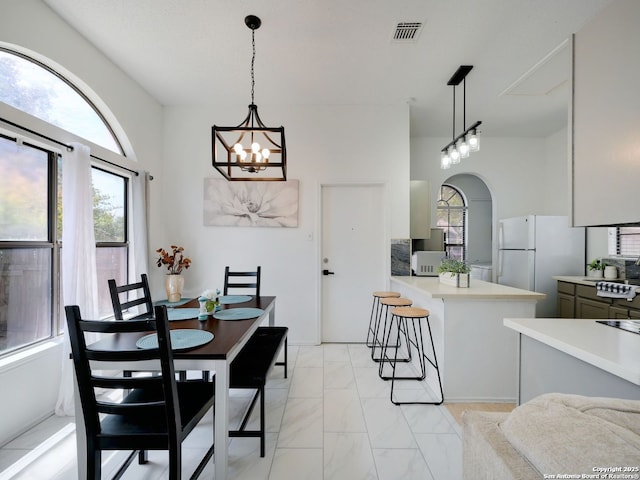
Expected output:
{"points": [[477, 354], [577, 356], [478, 289]]}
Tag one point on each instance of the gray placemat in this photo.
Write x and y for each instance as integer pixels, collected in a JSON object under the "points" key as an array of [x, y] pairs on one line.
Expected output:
{"points": [[182, 313], [182, 301], [238, 313], [229, 299]]}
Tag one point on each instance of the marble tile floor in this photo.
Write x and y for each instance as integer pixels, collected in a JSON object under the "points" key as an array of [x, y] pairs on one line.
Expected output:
{"points": [[331, 419]]}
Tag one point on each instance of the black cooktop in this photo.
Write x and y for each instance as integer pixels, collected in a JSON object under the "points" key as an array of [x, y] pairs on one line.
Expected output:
{"points": [[628, 325]]}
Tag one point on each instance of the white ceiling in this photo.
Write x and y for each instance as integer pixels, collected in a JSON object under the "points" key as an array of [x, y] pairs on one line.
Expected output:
{"points": [[341, 52]]}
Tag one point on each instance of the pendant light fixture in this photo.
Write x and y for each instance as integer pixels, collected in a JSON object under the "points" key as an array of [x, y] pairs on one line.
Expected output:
{"points": [[251, 150], [469, 140]]}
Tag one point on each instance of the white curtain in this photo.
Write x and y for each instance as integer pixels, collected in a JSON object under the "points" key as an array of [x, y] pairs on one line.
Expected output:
{"points": [[138, 250], [78, 262]]}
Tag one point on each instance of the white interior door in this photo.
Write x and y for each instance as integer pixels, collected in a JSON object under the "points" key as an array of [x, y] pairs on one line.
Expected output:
{"points": [[353, 256]]}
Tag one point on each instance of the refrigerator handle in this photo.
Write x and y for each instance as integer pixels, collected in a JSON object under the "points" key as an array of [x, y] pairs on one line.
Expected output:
{"points": [[500, 254], [500, 235]]}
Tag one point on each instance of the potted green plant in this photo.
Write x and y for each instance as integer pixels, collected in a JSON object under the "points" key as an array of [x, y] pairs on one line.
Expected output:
{"points": [[596, 268], [454, 272]]}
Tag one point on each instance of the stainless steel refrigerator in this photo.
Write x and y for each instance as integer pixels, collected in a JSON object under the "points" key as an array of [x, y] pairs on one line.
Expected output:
{"points": [[534, 248]]}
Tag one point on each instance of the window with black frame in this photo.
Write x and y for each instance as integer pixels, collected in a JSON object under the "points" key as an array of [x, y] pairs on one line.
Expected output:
{"points": [[110, 226], [27, 249], [452, 218], [31, 201]]}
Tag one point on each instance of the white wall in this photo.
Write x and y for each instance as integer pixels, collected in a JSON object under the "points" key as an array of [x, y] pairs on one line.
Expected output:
{"points": [[514, 169], [524, 175], [326, 144], [555, 189]]}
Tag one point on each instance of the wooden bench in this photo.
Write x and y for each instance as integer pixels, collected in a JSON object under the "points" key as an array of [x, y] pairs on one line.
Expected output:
{"points": [[250, 369]]}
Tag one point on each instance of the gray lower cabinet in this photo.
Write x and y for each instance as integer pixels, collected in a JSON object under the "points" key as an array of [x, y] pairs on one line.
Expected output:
{"points": [[618, 313], [581, 301], [586, 308], [566, 300], [566, 305]]}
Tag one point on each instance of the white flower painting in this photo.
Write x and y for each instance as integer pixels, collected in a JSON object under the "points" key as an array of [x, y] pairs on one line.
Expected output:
{"points": [[250, 204]]}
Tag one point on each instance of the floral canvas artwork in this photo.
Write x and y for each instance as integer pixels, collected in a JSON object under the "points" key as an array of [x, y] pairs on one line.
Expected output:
{"points": [[250, 204]]}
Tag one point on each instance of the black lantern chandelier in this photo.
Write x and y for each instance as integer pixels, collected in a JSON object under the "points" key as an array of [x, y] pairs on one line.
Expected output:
{"points": [[251, 150], [469, 140]]}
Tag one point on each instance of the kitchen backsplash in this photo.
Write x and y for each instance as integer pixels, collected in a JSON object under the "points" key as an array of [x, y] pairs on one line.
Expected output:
{"points": [[626, 268], [401, 257]]}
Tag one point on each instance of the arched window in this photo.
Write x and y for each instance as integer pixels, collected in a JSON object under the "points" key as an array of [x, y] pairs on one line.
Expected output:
{"points": [[38, 90], [30, 201], [452, 218]]}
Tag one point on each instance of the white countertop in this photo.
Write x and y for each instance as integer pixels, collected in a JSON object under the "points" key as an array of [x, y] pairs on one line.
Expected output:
{"points": [[611, 349], [478, 289], [581, 280]]}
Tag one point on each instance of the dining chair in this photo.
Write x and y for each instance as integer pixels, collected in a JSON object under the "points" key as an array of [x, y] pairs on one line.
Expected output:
{"points": [[143, 300], [242, 280], [154, 413], [230, 283]]}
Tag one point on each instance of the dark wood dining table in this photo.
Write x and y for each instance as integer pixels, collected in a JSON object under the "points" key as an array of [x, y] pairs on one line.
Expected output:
{"points": [[216, 356]]}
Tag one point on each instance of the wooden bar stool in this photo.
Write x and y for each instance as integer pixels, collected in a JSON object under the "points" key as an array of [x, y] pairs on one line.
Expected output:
{"points": [[385, 303], [415, 316], [375, 316]]}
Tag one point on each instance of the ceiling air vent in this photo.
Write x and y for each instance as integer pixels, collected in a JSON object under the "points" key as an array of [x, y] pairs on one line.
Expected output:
{"points": [[407, 32]]}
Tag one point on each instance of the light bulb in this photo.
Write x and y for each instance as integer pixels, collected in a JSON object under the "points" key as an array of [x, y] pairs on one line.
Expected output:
{"points": [[463, 148], [266, 153], [445, 160], [243, 155], [237, 148], [474, 141], [257, 157], [255, 147], [454, 155]]}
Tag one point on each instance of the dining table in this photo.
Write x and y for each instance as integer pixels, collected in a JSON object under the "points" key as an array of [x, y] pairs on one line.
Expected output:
{"points": [[231, 331]]}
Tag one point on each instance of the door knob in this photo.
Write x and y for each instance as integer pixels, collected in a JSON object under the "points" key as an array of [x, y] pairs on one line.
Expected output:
{"points": [[326, 272]]}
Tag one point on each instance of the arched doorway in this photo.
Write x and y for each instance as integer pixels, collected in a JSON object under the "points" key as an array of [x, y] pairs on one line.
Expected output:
{"points": [[478, 240]]}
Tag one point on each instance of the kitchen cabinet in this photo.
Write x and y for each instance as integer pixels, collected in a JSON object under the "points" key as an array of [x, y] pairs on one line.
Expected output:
{"points": [[566, 300], [618, 313], [589, 304], [582, 301], [605, 118], [420, 209], [586, 308]]}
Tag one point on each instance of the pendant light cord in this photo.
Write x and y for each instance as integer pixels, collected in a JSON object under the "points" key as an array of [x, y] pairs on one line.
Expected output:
{"points": [[253, 60]]}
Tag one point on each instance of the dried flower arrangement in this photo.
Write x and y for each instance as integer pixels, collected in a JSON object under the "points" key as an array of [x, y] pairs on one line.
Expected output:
{"points": [[175, 262]]}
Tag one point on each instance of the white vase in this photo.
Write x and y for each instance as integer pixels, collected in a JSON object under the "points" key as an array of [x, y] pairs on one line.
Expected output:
{"points": [[594, 273], [610, 272], [173, 284], [455, 279]]}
